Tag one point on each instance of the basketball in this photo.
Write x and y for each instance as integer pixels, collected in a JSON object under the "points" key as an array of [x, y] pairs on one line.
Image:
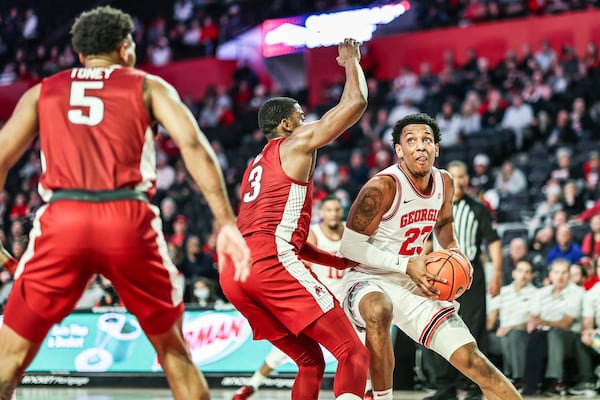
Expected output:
{"points": [[457, 271]]}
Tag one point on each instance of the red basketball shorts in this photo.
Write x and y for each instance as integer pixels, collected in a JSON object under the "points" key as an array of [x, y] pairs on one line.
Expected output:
{"points": [[72, 241]]}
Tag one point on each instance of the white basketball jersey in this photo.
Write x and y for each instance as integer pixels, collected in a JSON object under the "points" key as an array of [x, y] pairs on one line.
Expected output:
{"points": [[329, 276], [405, 227]]}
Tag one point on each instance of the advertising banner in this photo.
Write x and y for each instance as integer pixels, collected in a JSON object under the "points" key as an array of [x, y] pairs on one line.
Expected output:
{"points": [[219, 341]]}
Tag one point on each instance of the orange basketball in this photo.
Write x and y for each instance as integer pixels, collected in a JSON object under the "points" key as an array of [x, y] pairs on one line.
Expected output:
{"points": [[457, 271]]}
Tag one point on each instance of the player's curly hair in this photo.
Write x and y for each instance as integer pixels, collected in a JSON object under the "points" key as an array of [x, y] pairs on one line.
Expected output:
{"points": [[272, 112], [100, 30], [418, 118]]}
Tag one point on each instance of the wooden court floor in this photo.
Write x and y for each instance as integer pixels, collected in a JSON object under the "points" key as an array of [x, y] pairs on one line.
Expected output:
{"points": [[163, 394]]}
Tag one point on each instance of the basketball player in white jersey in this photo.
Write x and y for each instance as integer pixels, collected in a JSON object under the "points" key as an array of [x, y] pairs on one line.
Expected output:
{"points": [[388, 224], [327, 236]]}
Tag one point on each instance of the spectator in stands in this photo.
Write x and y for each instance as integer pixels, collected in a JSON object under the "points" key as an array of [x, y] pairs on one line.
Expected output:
{"points": [[209, 37], [470, 120], [517, 251], [572, 201], [561, 133], [450, 124], [545, 210], [20, 208], [510, 180], [180, 230], [518, 118], [586, 357], [591, 175], [168, 212], [359, 171], [577, 274], [492, 109], [593, 275], [197, 266], [590, 246], [565, 248], [482, 179], [564, 170], [553, 331], [165, 173], [160, 54], [581, 122], [183, 10], [510, 309], [545, 56]]}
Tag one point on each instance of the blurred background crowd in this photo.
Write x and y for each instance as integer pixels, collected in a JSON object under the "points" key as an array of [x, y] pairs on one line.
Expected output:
{"points": [[528, 127]]}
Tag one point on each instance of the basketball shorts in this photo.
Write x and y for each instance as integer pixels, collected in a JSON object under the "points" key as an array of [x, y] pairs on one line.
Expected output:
{"points": [[434, 324], [71, 241], [281, 295]]}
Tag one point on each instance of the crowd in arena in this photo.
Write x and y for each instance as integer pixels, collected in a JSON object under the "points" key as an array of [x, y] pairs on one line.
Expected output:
{"points": [[528, 128]]}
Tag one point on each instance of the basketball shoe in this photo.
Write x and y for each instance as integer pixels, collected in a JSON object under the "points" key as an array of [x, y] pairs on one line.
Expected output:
{"points": [[368, 395], [243, 393]]}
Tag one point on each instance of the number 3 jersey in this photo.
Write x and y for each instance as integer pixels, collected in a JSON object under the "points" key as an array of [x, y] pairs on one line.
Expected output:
{"points": [[405, 227], [95, 132], [274, 204]]}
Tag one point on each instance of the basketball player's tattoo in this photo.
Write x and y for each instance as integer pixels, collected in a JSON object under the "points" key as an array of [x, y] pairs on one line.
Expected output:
{"points": [[367, 208], [6, 388]]}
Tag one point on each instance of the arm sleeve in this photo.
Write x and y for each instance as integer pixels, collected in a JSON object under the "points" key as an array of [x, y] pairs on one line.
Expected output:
{"points": [[309, 252], [357, 247]]}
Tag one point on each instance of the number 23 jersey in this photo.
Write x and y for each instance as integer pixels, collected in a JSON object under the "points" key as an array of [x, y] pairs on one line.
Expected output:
{"points": [[274, 204], [405, 227]]}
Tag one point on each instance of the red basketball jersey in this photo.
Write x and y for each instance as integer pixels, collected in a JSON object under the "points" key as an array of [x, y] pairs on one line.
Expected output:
{"points": [[272, 203], [95, 132]]}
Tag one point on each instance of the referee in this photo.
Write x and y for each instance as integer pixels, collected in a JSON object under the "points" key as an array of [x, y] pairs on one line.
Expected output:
{"points": [[473, 224]]}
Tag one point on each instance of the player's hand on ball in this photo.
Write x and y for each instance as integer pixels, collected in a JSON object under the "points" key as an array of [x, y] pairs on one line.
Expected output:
{"points": [[417, 271]]}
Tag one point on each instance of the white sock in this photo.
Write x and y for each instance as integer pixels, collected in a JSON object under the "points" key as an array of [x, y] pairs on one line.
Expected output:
{"points": [[383, 394], [348, 396], [257, 380], [369, 386]]}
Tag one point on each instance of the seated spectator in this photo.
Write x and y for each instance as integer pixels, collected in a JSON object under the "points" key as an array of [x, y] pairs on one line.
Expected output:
{"points": [[565, 248], [518, 118], [545, 210], [482, 179], [577, 274], [564, 169], [168, 212], [581, 122], [510, 180], [20, 208], [553, 330], [470, 120], [196, 265], [572, 201], [590, 246], [561, 133], [450, 125], [180, 230], [593, 268], [517, 251], [591, 175], [510, 309], [588, 358], [492, 110]]}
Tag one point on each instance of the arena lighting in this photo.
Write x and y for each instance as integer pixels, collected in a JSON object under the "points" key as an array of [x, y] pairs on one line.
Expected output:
{"points": [[292, 35]]}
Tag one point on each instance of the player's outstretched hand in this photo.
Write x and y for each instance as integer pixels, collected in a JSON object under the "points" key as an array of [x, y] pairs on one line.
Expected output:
{"points": [[231, 244], [348, 50], [424, 279]]}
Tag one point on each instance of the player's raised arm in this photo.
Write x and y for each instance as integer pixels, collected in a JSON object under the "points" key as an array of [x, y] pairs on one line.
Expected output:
{"points": [[346, 113]]}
